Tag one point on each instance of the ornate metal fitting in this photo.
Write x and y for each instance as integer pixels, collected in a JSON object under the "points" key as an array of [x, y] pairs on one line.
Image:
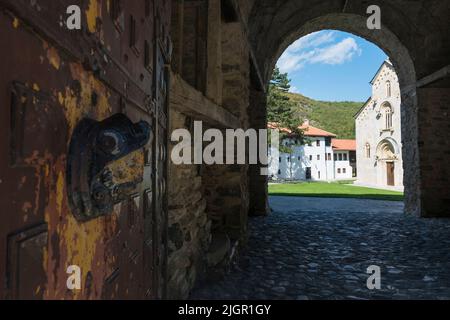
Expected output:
{"points": [[91, 189]]}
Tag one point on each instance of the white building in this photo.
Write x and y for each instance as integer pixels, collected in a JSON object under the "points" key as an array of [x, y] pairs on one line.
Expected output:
{"points": [[378, 133], [321, 158]]}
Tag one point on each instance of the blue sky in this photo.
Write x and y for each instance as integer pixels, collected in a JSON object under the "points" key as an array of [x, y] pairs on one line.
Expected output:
{"points": [[332, 66]]}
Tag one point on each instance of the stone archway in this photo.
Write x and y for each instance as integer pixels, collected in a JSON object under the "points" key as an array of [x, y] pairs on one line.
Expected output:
{"points": [[413, 35], [388, 149], [403, 63]]}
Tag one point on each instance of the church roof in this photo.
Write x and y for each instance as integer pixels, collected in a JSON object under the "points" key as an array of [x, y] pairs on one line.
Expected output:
{"points": [[343, 145], [362, 108], [387, 62]]}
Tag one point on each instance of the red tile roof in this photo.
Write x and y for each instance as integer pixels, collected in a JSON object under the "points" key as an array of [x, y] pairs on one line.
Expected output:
{"points": [[343, 145], [310, 131], [274, 125]]}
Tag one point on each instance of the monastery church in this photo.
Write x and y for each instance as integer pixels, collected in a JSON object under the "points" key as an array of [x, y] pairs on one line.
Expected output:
{"points": [[378, 133]]}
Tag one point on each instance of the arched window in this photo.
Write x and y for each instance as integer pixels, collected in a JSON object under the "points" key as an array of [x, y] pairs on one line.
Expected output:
{"points": [[367, 150], [388, 89], [387, 116]]}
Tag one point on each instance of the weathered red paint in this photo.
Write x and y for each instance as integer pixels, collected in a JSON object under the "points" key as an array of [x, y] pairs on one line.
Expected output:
{"points": [[51, 78]]}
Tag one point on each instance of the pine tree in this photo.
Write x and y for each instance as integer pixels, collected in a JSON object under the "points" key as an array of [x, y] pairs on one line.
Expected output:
{"points": [[279, 106], [280, 111]]}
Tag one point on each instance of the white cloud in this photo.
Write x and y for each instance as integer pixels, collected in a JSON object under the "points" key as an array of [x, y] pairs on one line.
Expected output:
{"points": [[338, 53], [290, 62], [313, 40], [317, 48]]}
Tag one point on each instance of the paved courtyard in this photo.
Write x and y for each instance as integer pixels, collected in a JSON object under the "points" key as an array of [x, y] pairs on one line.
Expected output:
{"points": [[315, 248]]}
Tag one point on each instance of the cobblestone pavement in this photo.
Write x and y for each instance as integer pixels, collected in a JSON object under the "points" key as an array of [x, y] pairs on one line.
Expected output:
{"points": [[312, 248]]}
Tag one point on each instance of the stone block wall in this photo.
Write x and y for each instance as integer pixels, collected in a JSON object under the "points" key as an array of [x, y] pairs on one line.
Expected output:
{"points": [[227, 185], [410, 153], [189, 225], [226, 191], [434, 132], [208, 205], [235, 71], [258, 183]]}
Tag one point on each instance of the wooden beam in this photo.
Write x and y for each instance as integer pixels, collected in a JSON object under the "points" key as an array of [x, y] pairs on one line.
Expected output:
{"points": [[187, 100], [438, 75]]}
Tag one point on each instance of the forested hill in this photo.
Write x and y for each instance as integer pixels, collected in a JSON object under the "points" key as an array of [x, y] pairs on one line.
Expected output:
{"points": [[335, 117]]}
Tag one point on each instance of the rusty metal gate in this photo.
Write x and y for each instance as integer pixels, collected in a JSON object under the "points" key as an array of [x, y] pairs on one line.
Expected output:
{"points": [[110, 77]]}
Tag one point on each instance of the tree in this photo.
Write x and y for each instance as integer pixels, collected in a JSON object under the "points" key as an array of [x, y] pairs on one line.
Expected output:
{"points": [[280, 109], [279, 106]]}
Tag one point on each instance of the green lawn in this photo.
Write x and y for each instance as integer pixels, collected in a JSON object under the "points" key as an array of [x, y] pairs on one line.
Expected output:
{"points": [[332, 190]]}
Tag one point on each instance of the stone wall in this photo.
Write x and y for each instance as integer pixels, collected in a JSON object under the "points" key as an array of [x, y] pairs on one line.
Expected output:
{"points": [[258, 183], [227, 185], [434, 132], [208, 205], [189, 225]]}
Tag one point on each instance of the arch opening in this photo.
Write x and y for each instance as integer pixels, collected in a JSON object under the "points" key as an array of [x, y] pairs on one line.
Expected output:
{"points": [[405, 69], [387, 150]]}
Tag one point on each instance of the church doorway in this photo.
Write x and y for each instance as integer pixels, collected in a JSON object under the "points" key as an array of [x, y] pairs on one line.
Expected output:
{"points": [[388, 157], [390, 166]]}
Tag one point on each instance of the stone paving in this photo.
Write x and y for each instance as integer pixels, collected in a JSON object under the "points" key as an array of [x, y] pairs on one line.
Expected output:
{"points": [[312, 248]]}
